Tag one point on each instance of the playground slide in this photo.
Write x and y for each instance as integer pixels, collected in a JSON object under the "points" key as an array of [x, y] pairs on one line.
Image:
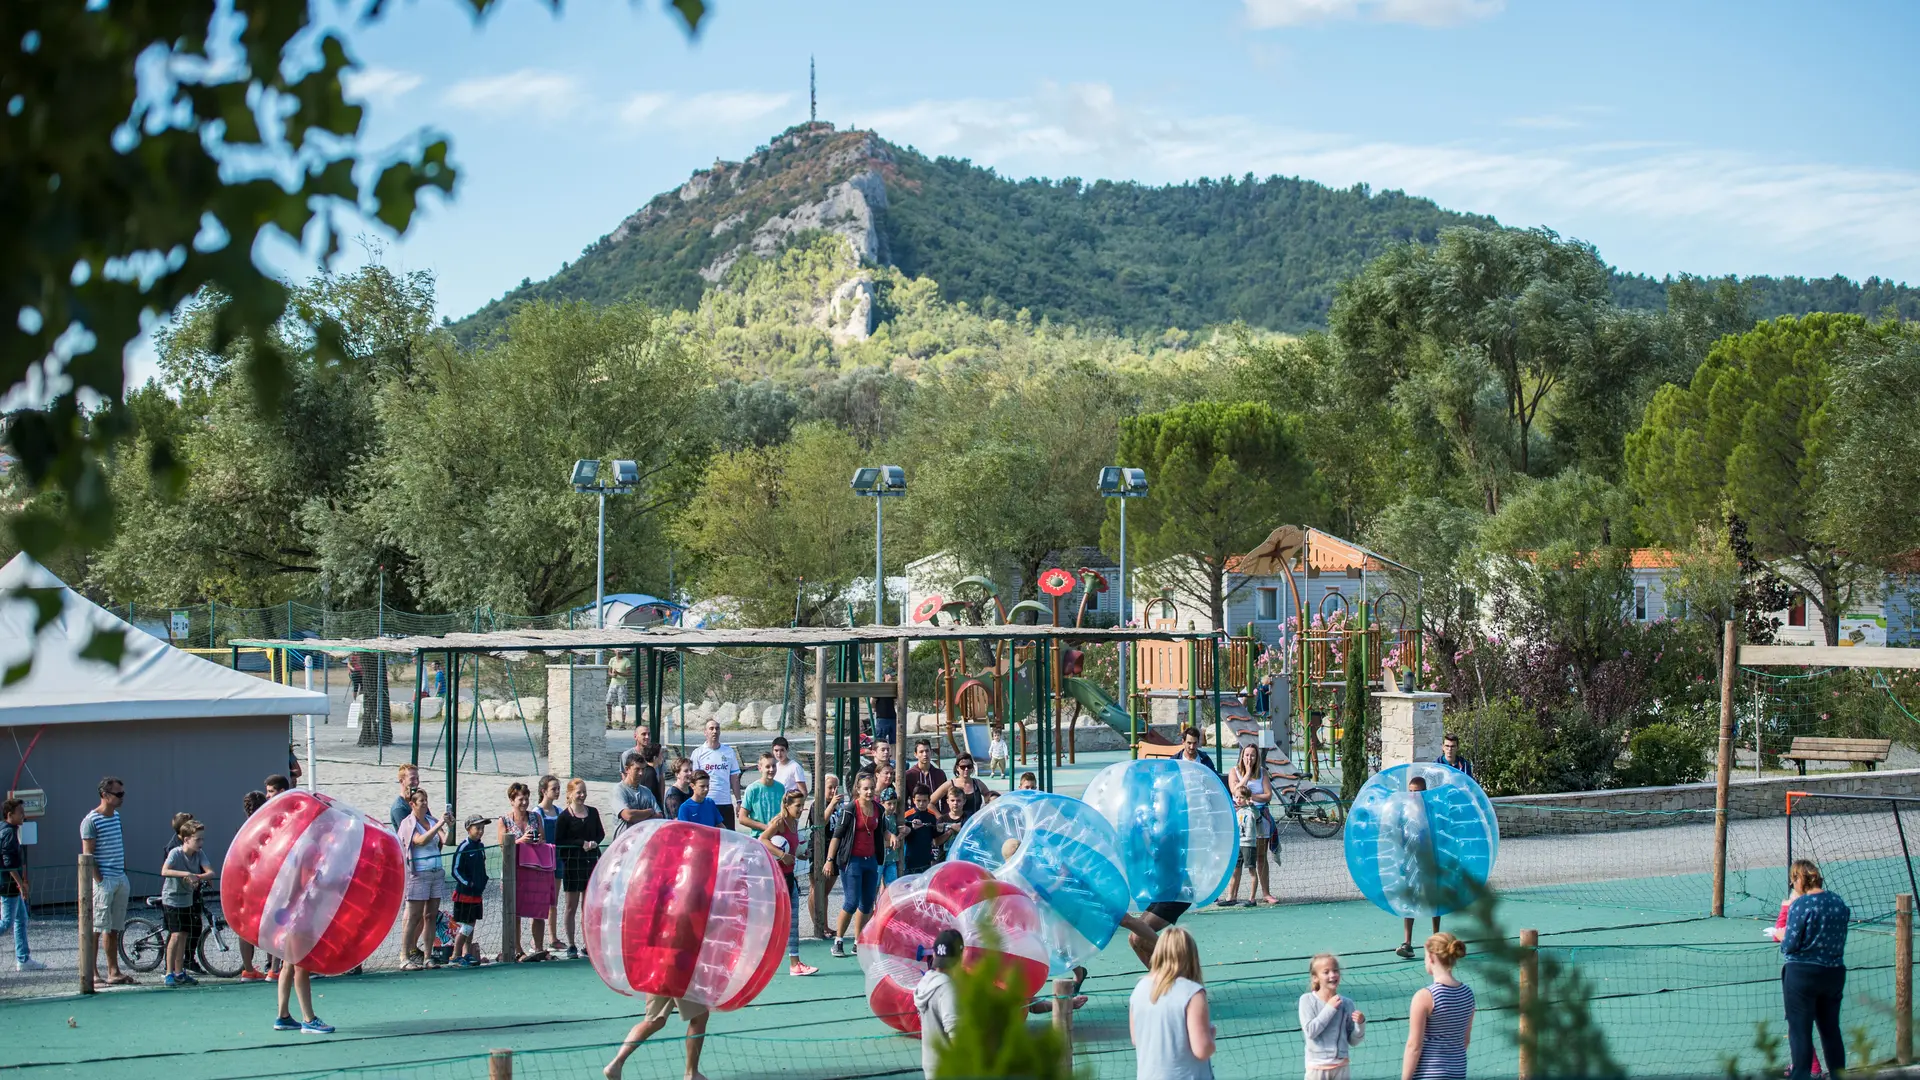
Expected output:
{"points": [[1095, 700]]}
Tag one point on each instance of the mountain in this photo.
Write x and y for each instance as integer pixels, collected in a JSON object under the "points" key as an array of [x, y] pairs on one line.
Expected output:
{"points": [[1121, 256]]}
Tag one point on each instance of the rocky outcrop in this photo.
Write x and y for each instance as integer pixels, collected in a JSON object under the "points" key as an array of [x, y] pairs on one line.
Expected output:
{"points": [[848, 314], [848, 209]]}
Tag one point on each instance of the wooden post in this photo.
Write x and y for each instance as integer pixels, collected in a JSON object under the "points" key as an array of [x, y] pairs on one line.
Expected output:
{"points": [[1903, 979], [85, 913], [509, 908], [1063, 1019], [900, 722], [500, 1065], [1723, 773], [1529, 996], [817, 834]]}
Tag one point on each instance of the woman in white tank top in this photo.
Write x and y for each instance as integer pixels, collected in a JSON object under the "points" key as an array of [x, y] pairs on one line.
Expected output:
{"points": [[1252, 793], [1167, 1015]]}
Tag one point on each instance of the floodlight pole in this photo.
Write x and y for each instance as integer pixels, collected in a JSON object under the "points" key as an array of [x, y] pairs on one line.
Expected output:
{"points": [[600, 578], [879, 583]]}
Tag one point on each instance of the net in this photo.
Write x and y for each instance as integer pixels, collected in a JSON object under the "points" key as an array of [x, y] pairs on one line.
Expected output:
{"points": [[1863, 846]]}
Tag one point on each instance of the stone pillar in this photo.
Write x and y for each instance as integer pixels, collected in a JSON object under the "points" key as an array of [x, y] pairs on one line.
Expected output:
{"points": [[1411, 726], [577, 723]]}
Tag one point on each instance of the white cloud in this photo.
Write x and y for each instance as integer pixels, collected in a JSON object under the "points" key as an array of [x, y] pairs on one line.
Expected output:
{"points": [[549, 93], [1266, 14], [379, 85], [1655, 207], [712, 109]]}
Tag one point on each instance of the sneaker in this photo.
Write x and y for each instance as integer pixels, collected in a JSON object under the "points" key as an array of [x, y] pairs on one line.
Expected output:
{"points": [[30, 964], [186, 979], [286, 1023], [467, 961], [573, 953], [798, 968], [253, 975], [1404, 952], [175, 980], [839, 949], [316, 1026]]}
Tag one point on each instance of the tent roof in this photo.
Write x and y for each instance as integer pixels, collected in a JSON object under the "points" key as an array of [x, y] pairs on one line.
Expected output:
{"points": [[1296, 548], [154, 681]]}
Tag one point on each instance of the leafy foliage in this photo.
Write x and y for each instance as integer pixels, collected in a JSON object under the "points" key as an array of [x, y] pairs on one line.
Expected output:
{"points": [[991, 1037]]}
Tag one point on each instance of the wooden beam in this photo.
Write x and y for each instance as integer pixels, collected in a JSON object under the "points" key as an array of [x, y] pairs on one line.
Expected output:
{"points": [[862, 689], [1847, 656]]}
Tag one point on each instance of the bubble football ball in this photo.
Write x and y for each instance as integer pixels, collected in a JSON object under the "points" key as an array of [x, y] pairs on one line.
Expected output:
{"points": [[313, 882], [688, 911], [993, 916], [1175, 819], [1066, 856], [1420, 853]]}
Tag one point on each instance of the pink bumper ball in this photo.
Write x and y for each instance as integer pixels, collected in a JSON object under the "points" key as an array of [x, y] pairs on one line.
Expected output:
{"points": [[313, 882], [991, 915], [688, 911]]}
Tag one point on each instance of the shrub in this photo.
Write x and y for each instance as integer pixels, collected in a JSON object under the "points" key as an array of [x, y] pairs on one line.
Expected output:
{"points": [[1515, 751], [1663, 754]]}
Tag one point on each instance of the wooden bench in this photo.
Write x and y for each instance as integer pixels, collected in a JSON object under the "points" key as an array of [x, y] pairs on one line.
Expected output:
{"points": [[1808, 748]]}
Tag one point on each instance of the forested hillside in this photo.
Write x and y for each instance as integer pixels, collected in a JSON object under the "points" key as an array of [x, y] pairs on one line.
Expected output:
{"points": [[1118, 256]]}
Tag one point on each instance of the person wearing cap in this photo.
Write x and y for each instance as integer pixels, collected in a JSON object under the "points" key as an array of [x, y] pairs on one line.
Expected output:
{"points": [[469, 885], [936, 1000]]}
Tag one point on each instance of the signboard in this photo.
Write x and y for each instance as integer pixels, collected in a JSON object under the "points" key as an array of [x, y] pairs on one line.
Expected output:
{"points": [[177, 626], [1863, 628]]}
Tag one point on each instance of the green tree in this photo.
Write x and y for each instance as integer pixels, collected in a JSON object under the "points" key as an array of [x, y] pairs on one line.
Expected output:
{"points": [[1439, 541], [1528, 303], [1558, 556], [472, 479], [1751, 436], [148, 149], [767, 524], [1222, 475], [1869, 487], [234, 528]]}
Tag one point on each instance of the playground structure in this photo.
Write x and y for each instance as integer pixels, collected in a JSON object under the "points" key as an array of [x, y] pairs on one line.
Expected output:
{"points": [[1331, 655], [975, 699]]}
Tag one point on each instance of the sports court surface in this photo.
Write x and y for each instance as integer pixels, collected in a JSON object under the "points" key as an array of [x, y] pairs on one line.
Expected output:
{"points": [[1676, 992]]}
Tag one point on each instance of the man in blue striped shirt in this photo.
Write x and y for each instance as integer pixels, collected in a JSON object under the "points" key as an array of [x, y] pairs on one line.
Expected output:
{"points": [[101, 838]]}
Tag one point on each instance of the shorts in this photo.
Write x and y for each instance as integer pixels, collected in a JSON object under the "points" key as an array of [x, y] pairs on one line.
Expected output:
{"points": [[466, 912], [860, 884], [616, 691], [883, 729], [660, 1006], [181, 920], [1329, 1072], [110, 904], [726, 816], [426, 885], [1168, 911]]}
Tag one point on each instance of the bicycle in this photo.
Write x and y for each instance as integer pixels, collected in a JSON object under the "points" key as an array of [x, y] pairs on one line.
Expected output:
{"points": [[143, 943], [1317, 809]]}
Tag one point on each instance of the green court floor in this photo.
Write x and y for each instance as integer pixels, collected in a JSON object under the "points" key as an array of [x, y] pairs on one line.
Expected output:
{"points": [[1675, 993]]}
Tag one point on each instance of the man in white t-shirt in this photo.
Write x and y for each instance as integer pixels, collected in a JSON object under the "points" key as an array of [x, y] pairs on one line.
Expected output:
{"points": [[787, 768], [721, 763]]}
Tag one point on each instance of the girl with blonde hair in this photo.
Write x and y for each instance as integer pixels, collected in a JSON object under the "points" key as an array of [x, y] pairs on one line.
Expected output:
{"points": [[1440, 1023], [1167, 1016], [1329, 1021]]}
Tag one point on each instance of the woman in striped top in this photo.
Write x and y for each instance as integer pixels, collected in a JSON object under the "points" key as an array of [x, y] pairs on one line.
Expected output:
{"points": [[1441, 1022]]}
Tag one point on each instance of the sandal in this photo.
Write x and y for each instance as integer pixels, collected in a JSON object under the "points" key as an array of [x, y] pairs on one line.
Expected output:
{"points": [[122, 979], [1270, 901]]}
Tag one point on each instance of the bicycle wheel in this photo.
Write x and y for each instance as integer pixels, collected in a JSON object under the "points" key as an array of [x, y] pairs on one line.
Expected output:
{"points": [[1319, 812], [220, 951], [143, 944]]}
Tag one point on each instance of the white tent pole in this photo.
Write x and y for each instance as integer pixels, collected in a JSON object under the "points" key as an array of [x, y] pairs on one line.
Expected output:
{"points": [[312, 780]]}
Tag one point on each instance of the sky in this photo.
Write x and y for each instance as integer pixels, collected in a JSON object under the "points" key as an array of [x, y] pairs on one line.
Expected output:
{"points": [[1744, 136]]}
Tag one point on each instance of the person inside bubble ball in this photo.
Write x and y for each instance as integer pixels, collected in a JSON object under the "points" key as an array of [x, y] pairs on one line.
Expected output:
{"points": [[1412, 824]]}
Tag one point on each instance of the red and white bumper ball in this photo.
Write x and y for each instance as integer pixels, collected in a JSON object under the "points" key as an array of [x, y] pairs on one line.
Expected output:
{"points": [[992, 916], [313, 882], [688, 911]]}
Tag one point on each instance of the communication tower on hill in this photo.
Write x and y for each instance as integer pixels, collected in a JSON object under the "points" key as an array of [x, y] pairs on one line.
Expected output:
{"points": [[813, 96]]}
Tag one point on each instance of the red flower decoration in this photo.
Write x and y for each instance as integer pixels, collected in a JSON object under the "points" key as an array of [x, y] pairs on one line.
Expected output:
{"points": [[1095, 580], [1057, 581], [928, 608]]}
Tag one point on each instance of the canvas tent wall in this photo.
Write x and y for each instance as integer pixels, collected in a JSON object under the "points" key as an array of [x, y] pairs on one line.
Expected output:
{"points": [[183, 733]]}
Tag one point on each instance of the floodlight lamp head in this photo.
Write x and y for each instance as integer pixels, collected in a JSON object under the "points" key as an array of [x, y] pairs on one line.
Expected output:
{"points": [[880, 481], [893, 480], [586, 473], [1134, 481], [626, 473], [1117, 482], [866, 480]]}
